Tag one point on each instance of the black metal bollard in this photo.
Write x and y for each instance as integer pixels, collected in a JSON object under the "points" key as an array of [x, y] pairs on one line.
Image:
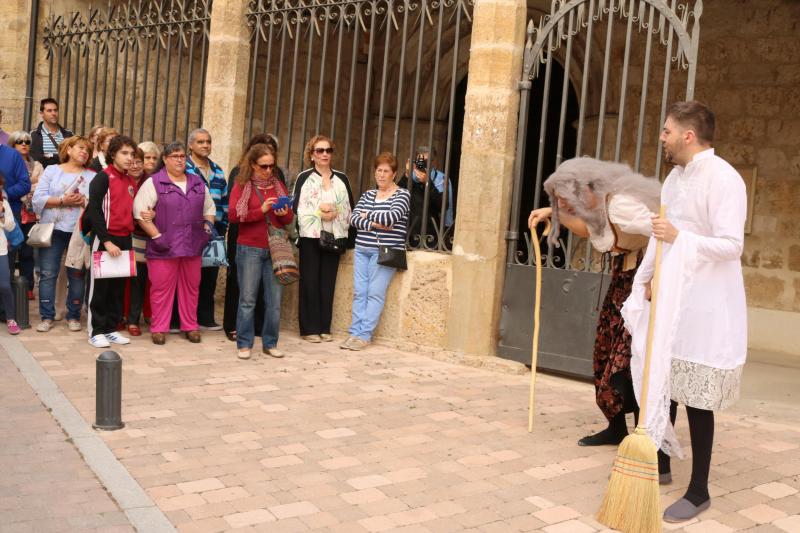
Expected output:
{"points": [[21, 301], [108, 404]]}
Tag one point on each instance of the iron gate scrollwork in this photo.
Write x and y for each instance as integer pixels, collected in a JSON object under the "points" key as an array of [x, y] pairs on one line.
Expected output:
{"points": [[138, 67], [602, 107], [374, 75]]}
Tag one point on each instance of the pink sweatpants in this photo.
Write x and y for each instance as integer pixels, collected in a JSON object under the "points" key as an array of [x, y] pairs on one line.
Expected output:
{"points": [[165, 275]]}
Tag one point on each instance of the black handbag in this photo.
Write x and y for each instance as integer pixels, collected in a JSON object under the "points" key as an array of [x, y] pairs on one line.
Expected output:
{"points": [[329, 243], [391, 257]]}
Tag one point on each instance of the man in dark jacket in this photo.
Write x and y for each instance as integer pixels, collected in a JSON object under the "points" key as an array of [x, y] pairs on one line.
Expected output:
{"points": [[48, 134]]}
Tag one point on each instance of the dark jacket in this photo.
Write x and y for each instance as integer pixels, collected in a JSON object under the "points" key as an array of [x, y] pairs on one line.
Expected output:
{"points": [[37, 146]]}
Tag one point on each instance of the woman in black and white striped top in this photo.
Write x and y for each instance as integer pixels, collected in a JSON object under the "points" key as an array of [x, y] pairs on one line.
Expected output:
{"points": [[381, 217]]}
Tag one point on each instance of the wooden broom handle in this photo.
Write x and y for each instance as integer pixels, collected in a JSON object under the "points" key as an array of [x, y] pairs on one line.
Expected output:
{"points": [[651, 327]]}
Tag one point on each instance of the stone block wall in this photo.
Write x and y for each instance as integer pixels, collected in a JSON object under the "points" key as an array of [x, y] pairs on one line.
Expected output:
{"points": [[749, 73], [416, 302]]}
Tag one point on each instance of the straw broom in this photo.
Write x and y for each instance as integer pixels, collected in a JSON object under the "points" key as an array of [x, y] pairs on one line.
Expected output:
{"points": [[632, 503], [536, 309]]}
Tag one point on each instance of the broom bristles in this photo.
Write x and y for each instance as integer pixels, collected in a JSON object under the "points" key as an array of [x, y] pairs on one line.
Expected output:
{"points": [[632, 502]]}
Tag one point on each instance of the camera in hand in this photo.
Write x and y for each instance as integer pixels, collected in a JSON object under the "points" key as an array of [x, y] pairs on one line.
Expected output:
{"points": [[421, 163]]}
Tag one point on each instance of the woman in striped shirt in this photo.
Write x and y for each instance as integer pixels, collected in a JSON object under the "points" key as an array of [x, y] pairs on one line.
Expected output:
{"points": [[381, 217]]}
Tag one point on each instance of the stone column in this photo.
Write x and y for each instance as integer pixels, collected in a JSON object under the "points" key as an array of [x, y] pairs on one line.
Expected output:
{"points": [[226, 81], [486, 177], [15, 17]]}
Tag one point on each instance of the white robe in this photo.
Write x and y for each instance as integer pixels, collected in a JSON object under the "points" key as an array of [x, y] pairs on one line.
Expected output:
{"points": [[702, 313]]}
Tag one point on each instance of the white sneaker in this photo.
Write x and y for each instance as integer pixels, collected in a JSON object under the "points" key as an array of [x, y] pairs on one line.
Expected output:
{"points": [[243, 353], [74, 325], [99, 341], [116, 338]]}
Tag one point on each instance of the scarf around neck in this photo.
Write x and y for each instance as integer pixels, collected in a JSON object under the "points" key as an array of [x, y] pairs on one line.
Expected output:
{"points": [[244, 200]]}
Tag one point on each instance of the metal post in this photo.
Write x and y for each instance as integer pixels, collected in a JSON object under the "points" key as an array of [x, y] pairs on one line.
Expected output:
{"points": [[108, 402], [21, 301]]}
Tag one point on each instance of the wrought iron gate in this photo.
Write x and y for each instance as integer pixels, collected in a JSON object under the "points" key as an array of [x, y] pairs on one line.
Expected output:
{"points": [[374, 75], [616, 113], [138, 67]]}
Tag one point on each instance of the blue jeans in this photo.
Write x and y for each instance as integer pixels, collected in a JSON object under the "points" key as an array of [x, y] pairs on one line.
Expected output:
{"points": [[49, 265], [254, 266], [370, 282]]}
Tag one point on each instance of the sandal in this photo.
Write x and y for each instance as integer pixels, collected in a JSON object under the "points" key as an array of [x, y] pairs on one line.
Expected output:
{"points": [[134, 330]]}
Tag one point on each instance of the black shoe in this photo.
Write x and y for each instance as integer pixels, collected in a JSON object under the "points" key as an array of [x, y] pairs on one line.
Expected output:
{"points": [[231, 335], [211, 327], [605, 437]]}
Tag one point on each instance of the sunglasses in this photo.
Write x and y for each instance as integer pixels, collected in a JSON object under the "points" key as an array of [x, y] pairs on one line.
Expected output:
{"points": [[328, 150], [22, 142], [266, 166]]}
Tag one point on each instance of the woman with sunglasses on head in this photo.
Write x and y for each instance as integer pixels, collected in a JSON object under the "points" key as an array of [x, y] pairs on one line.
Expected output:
{"points": [[21, 142], [323, 203], [256, 190]]}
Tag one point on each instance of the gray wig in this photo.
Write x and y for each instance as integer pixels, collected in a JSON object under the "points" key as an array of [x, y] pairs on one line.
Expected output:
{"points": [[602, 178]]}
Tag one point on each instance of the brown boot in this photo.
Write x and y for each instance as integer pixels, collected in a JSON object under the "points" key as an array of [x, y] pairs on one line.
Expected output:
{"points": [[158, 338], [194, 336]]}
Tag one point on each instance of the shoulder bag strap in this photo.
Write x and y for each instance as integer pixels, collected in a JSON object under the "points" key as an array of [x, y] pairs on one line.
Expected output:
{"points": [[44, 128], [266, 215]]}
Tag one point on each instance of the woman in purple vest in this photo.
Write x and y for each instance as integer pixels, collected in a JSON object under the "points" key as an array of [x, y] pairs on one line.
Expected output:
{"points": [[178, 233]]}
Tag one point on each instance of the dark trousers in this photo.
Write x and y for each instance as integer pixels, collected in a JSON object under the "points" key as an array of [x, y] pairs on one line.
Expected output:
{"points": [[106, 295], [318, 271], [231, 308], [205, 300], [138, 289]]}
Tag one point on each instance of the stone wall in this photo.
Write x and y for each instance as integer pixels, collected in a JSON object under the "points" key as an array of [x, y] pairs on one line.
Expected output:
{"points": [[416, 302], [750, 74]]}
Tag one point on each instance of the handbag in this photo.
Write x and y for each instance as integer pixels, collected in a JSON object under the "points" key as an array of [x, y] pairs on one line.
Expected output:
{"points": [[391, 257], [15, 237], [284, 265], [214, 254], [41, 234], [329, 242]]}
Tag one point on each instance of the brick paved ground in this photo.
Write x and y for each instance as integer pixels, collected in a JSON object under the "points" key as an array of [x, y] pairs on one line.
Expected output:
{"points": [[44, 483], [328, 440]]}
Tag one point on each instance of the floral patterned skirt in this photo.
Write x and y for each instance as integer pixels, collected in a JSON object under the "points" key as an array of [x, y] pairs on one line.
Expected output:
{"points": [[612, 347]]}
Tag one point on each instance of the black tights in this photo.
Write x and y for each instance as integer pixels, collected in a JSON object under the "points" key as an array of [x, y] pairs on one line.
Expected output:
{"points": [[701, 431]]}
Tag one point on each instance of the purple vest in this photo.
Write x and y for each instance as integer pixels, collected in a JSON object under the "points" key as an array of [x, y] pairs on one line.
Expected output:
{"points": [[179, 217]]}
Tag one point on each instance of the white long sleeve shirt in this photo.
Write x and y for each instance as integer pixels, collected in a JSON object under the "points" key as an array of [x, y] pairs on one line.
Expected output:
{"points": [[708, 200]]}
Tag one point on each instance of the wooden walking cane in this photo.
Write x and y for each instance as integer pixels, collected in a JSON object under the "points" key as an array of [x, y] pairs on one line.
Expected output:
{"points": [[631, 503], [536, 309]]}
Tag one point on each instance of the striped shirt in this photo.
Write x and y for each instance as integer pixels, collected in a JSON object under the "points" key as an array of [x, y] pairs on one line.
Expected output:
{"points": [[391, 212], [47, 144]]}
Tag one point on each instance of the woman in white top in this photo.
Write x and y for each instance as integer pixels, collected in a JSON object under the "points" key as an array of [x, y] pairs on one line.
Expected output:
{"points": [[6, 296], [611, 205], [322, 203], [61, 193]]}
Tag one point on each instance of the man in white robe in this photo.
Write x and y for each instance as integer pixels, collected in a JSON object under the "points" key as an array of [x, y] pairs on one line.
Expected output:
{"points": [[700, 341]]}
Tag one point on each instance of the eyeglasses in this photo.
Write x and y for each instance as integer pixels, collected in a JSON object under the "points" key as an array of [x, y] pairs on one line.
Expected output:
{"points": [[177, 156], [266, 166], [20, 141], [328, 150]]}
